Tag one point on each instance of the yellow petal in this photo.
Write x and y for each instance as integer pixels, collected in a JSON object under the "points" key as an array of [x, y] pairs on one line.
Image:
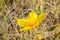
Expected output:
{"points": [[32, 18], [21, 22], [25, 28], [32, 15], [41, 17], [40, 37]]}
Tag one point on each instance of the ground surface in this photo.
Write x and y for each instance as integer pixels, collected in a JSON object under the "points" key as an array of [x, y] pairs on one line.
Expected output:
{"points": [[9, 30]]}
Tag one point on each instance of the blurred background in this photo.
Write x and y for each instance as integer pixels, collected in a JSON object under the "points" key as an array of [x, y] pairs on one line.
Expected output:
{"points": [[9, 30]]}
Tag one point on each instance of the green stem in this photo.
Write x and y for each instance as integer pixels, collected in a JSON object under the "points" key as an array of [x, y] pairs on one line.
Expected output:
{"points": [[41, 8], [26, 36]]}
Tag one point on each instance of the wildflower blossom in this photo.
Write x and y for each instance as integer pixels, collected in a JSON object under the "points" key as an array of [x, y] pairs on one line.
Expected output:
{"points": [[30, 21], [40, 37]]}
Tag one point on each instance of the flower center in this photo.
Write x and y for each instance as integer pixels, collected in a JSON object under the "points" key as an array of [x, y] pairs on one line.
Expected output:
{"points": [[32, 23]]}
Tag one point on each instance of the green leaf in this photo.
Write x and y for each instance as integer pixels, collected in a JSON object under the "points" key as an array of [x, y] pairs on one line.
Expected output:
{"points": [[56, 35], [2, 4], [51, 29]]}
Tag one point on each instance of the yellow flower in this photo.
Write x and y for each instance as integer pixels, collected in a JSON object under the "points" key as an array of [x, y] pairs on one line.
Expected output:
{"points": [[30, 21], [40, 37]]}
